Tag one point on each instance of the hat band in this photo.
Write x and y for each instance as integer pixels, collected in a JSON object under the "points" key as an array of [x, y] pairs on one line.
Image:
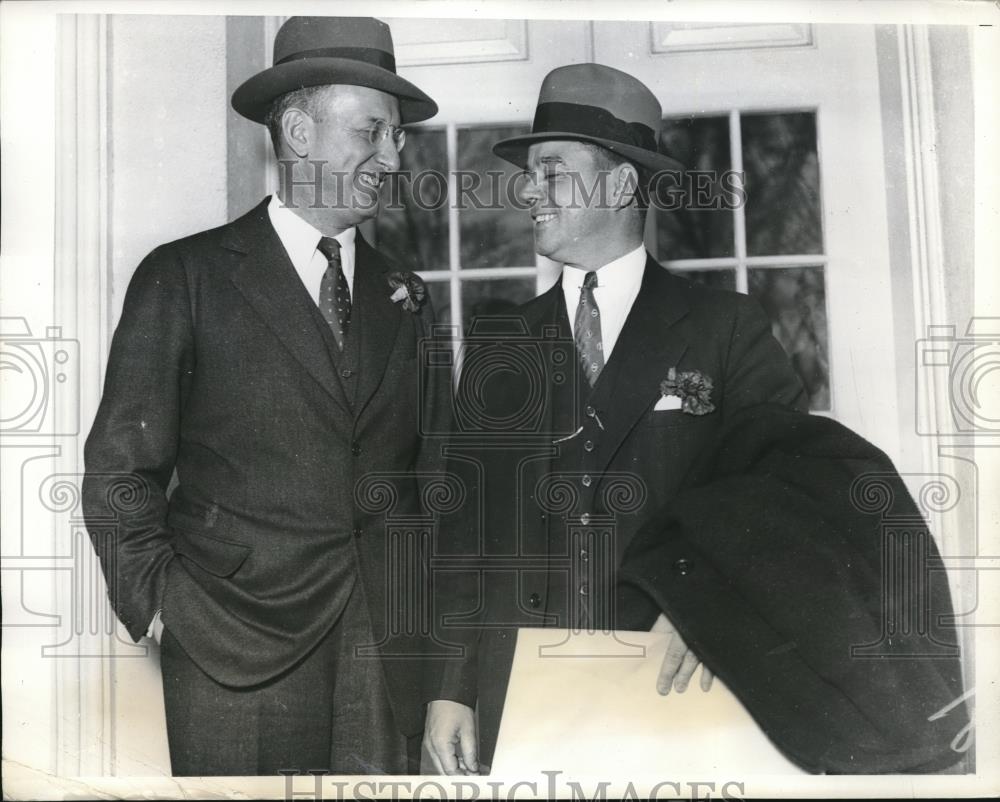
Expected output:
{"points": [[592, 121], [369, 55]]}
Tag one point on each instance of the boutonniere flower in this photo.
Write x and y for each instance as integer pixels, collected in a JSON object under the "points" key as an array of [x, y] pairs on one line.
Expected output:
{"points": [[692, 387], [408, 289]]}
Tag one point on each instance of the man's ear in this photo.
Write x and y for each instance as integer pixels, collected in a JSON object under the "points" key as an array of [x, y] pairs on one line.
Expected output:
{"points": [[626, 187], [297, 130]]}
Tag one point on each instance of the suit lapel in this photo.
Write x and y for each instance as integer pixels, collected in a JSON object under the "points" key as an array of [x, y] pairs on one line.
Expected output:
{"points": [[268, 281], [649, 344], [380, 320]]}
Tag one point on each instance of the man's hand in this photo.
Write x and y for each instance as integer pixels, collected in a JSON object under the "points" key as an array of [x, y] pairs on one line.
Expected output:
{"points": [[450, 737], [679, 662]]}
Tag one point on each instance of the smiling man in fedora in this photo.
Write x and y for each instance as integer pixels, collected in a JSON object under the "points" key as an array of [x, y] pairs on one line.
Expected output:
{"points": [[260, 369], [672, 484]]}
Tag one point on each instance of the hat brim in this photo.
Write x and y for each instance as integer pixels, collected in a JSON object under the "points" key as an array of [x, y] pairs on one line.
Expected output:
{"points": [[255, 95], [515, 150]]}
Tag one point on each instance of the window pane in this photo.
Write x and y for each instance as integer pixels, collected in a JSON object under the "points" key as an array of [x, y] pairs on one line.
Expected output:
{"points": [[719, 279], [440, 293], [411, 233], [494, 297], [795, 300], [701, 144], [782, 184], [500, 236]]}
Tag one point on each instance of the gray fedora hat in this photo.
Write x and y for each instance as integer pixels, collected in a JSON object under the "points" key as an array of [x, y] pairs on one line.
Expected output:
{"points": [[599, 104], [313, 51]]}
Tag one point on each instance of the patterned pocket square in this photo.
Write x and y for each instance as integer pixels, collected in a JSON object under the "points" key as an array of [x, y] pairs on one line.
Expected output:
{"points": [[667, 402]]}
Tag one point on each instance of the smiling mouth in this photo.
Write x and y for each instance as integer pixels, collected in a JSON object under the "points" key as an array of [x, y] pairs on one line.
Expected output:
{"points": [[370, 180], [544, 218]]}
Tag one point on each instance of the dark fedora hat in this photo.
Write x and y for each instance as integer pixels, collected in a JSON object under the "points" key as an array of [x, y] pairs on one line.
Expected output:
{"points": [[313, 51], [599, 104]]}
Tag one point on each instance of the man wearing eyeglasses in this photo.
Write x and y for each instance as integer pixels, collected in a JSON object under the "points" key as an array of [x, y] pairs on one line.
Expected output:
{"points": [[259, 372]]}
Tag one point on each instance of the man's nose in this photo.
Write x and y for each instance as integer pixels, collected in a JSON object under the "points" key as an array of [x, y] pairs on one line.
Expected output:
{"points": [[529, 191], [387, 155]]}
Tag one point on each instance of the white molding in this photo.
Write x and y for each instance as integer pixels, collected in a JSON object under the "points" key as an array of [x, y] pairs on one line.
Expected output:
{"points": [[925, 231], [509, 42], [85, 724], [686, 37], [930, 316]]}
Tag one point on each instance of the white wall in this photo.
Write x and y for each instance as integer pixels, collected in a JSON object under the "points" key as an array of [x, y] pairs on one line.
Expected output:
{"points": [[168, 133]]}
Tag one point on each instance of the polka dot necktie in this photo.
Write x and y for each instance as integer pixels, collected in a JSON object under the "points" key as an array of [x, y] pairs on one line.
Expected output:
{"points": [[587, 331], [334, 294]]}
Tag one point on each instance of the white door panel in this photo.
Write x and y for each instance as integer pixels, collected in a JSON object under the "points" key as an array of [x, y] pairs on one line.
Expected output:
{"points": [[503, 68]]}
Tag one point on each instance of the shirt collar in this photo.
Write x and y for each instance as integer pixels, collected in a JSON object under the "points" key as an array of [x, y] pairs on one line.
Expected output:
{"points": [[299, 237], [625, 271]]}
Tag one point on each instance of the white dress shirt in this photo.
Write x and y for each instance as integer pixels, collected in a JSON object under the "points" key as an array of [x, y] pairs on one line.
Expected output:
{"points": [[300, 240], [617, 287]]}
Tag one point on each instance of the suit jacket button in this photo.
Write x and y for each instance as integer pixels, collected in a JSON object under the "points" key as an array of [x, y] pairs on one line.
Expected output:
{"points": [[586, 480], [357, 532], [590, 411], [347, 373], [588, 446], [584, 590], [585, 518], [355, 449], [535, 600], [683, 566]]}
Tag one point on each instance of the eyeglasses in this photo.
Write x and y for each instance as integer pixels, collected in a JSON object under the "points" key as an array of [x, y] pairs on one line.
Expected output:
{"points": [[381, 129]]}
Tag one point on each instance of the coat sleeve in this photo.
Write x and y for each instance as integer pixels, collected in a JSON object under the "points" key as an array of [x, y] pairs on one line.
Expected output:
{"points": [[456, 594], [454, 676], [130, 452], [449, 665]]}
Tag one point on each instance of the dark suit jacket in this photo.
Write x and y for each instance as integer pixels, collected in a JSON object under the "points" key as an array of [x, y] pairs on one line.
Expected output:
{"points": [[222, 369], [673, 323], [708, 576]]}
